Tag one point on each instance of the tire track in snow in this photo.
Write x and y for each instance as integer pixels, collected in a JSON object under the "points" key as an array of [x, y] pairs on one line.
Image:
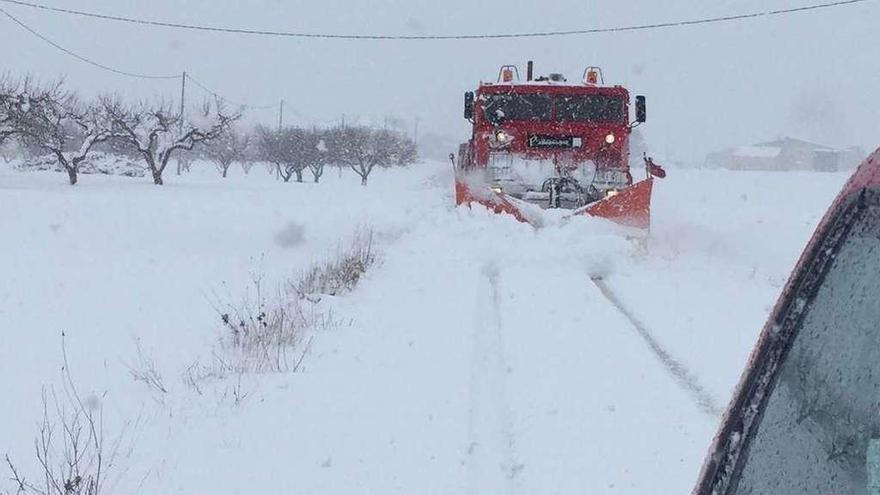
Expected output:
{"points": [[686, 378], [492, 460]]}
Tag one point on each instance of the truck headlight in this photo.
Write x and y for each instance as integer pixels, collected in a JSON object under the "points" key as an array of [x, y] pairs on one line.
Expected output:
{"points": [[611, 193], [502, 136], [610, 138]]}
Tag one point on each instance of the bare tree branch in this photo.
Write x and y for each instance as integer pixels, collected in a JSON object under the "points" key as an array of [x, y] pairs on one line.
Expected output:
{"points": [[227, 149], [362, 149], [52, 119], [158, 132]]}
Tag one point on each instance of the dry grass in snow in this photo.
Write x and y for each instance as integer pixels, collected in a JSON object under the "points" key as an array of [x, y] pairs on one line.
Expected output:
{"points": [[272, 332]]}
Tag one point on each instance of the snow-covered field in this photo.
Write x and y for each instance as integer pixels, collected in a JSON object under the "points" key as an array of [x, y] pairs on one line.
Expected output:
{"points": [[477, 357]]}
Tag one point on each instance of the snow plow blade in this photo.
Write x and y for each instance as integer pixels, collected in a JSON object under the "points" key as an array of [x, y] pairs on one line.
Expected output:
{"points": [[630, 207], [495, 202]]}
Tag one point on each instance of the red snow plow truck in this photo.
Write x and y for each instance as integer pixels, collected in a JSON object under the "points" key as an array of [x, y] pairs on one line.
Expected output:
{"points": [[549, 143]]}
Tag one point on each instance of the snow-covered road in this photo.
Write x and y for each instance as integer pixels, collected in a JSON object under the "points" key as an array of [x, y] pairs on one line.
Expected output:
{"points": [[478, 357], [505, 350]]}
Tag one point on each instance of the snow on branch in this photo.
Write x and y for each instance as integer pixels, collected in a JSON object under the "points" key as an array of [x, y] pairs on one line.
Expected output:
{"points": [[229, 148], [55, 120], [157, 131]]}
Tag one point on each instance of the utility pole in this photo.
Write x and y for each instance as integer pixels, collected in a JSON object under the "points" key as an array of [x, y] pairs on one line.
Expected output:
{"points": [[180, 120], [182, 96], [280, 115], [416, 132]]}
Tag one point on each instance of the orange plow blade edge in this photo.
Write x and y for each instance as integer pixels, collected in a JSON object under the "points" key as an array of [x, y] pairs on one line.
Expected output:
{"points": [[630, 207], [498, 203]]}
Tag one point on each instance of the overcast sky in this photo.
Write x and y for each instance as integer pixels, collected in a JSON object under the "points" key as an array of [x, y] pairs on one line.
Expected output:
{"points": [[810, 75]]}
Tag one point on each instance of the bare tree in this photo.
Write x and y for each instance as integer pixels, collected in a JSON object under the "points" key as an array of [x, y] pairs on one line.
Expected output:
{"points": [[271, 148], [11, 100], [158, 132], [286, 149], [185, 159], [300, 150], [319, 155], [405, 151], [16, 98], [56, 121], [251, 154], [228, 148], [362, 149], [8, 151]]}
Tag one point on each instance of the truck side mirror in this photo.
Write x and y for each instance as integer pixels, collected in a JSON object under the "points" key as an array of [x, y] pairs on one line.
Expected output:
{"points": [[641, 109], [469, 105]]}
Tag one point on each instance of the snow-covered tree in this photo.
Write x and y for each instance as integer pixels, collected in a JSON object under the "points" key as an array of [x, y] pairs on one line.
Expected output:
{"points": [[271, 148], [319, 158], [300, 150], [249, 159], [227, 149], [9, 98], [288, 149], [185, 160], [16, 98], [361, 148], [8, 151], [404, 151], [251, 153], [293, 150], [59, 123], [158, 132]]}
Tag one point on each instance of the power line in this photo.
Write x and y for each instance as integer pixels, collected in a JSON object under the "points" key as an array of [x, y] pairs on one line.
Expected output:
{"points": [[218, 95], [126, 73], [82, 58], [538, 34]]}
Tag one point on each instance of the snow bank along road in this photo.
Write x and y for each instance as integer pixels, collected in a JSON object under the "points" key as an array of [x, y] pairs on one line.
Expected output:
{"points": [[477, 358]]}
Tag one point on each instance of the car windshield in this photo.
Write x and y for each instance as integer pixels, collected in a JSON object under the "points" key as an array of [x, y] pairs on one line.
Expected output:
{"points": [[502, 107], [590, 108], [820, 431]]}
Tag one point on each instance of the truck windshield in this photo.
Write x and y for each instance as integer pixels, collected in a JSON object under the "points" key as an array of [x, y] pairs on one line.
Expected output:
{"points": [[590, 108], [502, 107]]}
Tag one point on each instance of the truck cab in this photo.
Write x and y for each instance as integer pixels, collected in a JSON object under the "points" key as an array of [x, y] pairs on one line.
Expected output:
{"points": [[549, 141]]}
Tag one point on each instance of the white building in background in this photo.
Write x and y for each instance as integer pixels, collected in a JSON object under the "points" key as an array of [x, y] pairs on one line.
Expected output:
{"points": [[786, 154]]}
